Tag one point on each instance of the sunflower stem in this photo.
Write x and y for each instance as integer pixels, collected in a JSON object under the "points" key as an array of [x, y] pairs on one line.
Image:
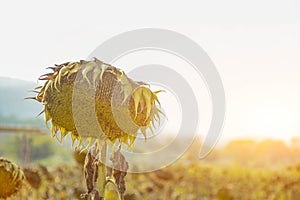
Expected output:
{"points": [[101, 181]]}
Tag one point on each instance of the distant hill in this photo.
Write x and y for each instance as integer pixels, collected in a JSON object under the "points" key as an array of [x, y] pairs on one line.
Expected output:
{"points": [[13, 107]]}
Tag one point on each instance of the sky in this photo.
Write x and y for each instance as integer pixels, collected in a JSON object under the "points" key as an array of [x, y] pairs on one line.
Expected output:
{"points": [[254, 44]]}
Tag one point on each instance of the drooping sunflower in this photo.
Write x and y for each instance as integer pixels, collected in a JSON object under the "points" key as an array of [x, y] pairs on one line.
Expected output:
{"points": [[11, 178], [75, 91]]}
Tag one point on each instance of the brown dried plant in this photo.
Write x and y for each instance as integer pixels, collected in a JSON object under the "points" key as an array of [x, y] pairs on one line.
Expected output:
{"points": [[117, 100], [11, 178]]}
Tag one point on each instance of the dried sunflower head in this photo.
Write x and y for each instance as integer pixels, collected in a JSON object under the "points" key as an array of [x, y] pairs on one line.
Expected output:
{"points": [[11, 178], [33, 178], [122, 106]]}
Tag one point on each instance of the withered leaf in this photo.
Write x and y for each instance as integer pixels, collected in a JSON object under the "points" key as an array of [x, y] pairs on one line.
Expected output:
{"points": [[120, 167]]}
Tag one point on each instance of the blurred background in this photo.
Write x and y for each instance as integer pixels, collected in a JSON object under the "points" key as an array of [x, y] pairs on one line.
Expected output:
{"points": [[255, 46]]}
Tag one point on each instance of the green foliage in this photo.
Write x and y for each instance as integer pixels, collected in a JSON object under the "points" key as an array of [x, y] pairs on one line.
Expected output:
{"points": [[41, 149], [15, 121]]}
